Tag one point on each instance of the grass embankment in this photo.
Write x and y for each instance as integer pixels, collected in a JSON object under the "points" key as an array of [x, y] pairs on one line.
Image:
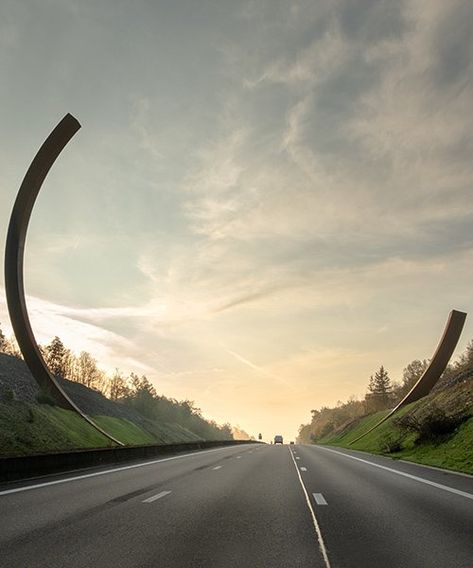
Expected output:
{"points": [[35, 428], [453, 450]]}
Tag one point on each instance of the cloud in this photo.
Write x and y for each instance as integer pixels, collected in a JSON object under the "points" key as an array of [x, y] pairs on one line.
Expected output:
{"points": [[290, 181], [48, 320]]}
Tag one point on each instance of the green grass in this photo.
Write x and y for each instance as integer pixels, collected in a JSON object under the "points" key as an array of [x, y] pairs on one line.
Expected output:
{"points": [[124, 430], [35, 428], [453, 452], [362, 425]]}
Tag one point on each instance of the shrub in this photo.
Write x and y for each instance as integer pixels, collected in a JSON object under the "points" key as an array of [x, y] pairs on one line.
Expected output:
{"points": [[30, 416], [391, 443], [430, 425], [327, 429], [44, 398], [7, 394]]}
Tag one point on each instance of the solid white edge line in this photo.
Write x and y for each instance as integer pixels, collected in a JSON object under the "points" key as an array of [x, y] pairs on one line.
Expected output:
{"points": [[156, 497], [318, 532], [319, 499], [441, 469], [404, 474], [97, 473]]}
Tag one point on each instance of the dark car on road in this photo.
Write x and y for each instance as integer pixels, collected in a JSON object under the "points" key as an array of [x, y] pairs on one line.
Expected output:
{"points": [[278, 439]]}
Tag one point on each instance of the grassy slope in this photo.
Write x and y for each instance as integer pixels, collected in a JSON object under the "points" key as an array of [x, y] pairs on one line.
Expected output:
{"points": [[30, 428], [453, 452]]}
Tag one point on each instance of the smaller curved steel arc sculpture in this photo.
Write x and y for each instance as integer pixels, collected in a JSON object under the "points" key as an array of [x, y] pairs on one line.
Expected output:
{"points": [[437, 366], [14, 257]]}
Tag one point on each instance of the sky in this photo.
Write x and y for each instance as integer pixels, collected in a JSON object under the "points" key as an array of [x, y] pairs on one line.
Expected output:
{"points": [[267, 199]]}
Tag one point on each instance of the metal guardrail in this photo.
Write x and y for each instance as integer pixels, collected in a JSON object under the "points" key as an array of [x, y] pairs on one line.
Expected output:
{"points": [[25, 467]]}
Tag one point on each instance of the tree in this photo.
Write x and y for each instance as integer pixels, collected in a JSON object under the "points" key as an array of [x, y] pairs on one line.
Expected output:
{"points": [[142, 396], [12, 348], [3, 341], [70, 366], [226, 431], [55, 353], [88, 372], [117, 387], [465, 361], [412, 373], [379, 388]]}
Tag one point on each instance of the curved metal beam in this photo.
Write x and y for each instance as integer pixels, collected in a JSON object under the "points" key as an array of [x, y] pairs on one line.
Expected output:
{"points": [[14, 260], [437, 366]]}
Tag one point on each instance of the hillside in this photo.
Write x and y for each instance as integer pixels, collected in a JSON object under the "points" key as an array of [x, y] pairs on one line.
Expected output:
{"points": [[436, 430], [28, 426]]}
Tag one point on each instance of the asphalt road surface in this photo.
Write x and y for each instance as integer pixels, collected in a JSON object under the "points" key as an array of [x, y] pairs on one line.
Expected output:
{"points": [[244, 507]]}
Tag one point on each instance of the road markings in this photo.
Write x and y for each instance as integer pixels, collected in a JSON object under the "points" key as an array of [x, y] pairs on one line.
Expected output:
{"points": [[97, 473], [442, 470], [404, 474], [156, 497], [298, 458], [303, 469], [238, 457], [217, 467], [318, 532], [319, 499]]}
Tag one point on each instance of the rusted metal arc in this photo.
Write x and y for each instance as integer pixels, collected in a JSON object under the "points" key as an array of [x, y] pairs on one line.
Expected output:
{"points": [[14, 260], [437, 366]]}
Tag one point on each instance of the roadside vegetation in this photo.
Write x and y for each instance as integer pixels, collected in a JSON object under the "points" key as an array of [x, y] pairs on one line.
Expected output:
{"points": [[128, 407], [436, 430]]}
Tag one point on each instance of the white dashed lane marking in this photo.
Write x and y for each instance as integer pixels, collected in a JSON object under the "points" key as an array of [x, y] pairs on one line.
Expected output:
{"points": [[156, 497], [319, 499]]}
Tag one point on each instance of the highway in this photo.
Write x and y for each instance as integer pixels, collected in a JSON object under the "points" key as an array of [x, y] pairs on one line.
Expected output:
{"points": [[245, 506]]}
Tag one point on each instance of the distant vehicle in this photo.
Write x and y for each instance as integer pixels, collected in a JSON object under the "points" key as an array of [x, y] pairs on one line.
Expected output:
{"points": [[291, 442], [278, 439], [260, 436]]}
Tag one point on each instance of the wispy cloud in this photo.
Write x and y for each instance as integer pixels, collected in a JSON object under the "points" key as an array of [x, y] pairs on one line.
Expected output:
{"points": [[292, 180]]}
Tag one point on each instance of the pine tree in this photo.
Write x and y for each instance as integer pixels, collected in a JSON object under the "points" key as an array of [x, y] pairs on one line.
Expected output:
{"points": [[380, 387], [143, 395], [55, 355]]}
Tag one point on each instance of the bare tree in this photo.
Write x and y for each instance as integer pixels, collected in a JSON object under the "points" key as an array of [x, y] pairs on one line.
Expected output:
{"points": [[3, 341], [88, 372], [117, 387]]}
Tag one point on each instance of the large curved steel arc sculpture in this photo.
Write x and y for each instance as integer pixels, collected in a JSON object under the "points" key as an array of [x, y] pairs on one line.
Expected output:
{"points": [[437, 366], [14, 259]]}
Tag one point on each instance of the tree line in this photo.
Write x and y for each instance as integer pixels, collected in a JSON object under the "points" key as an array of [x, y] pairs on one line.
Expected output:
{"points": [[381, 393], [134, 391]]}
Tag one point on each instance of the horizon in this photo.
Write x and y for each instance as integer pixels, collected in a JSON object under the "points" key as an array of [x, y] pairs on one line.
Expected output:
{"points": [[265, 203]]}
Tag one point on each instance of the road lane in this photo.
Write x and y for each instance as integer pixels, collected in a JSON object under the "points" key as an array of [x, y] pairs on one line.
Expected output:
{"points": [[245, 506], [376, 517], [78, 494], [250, 512]]}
